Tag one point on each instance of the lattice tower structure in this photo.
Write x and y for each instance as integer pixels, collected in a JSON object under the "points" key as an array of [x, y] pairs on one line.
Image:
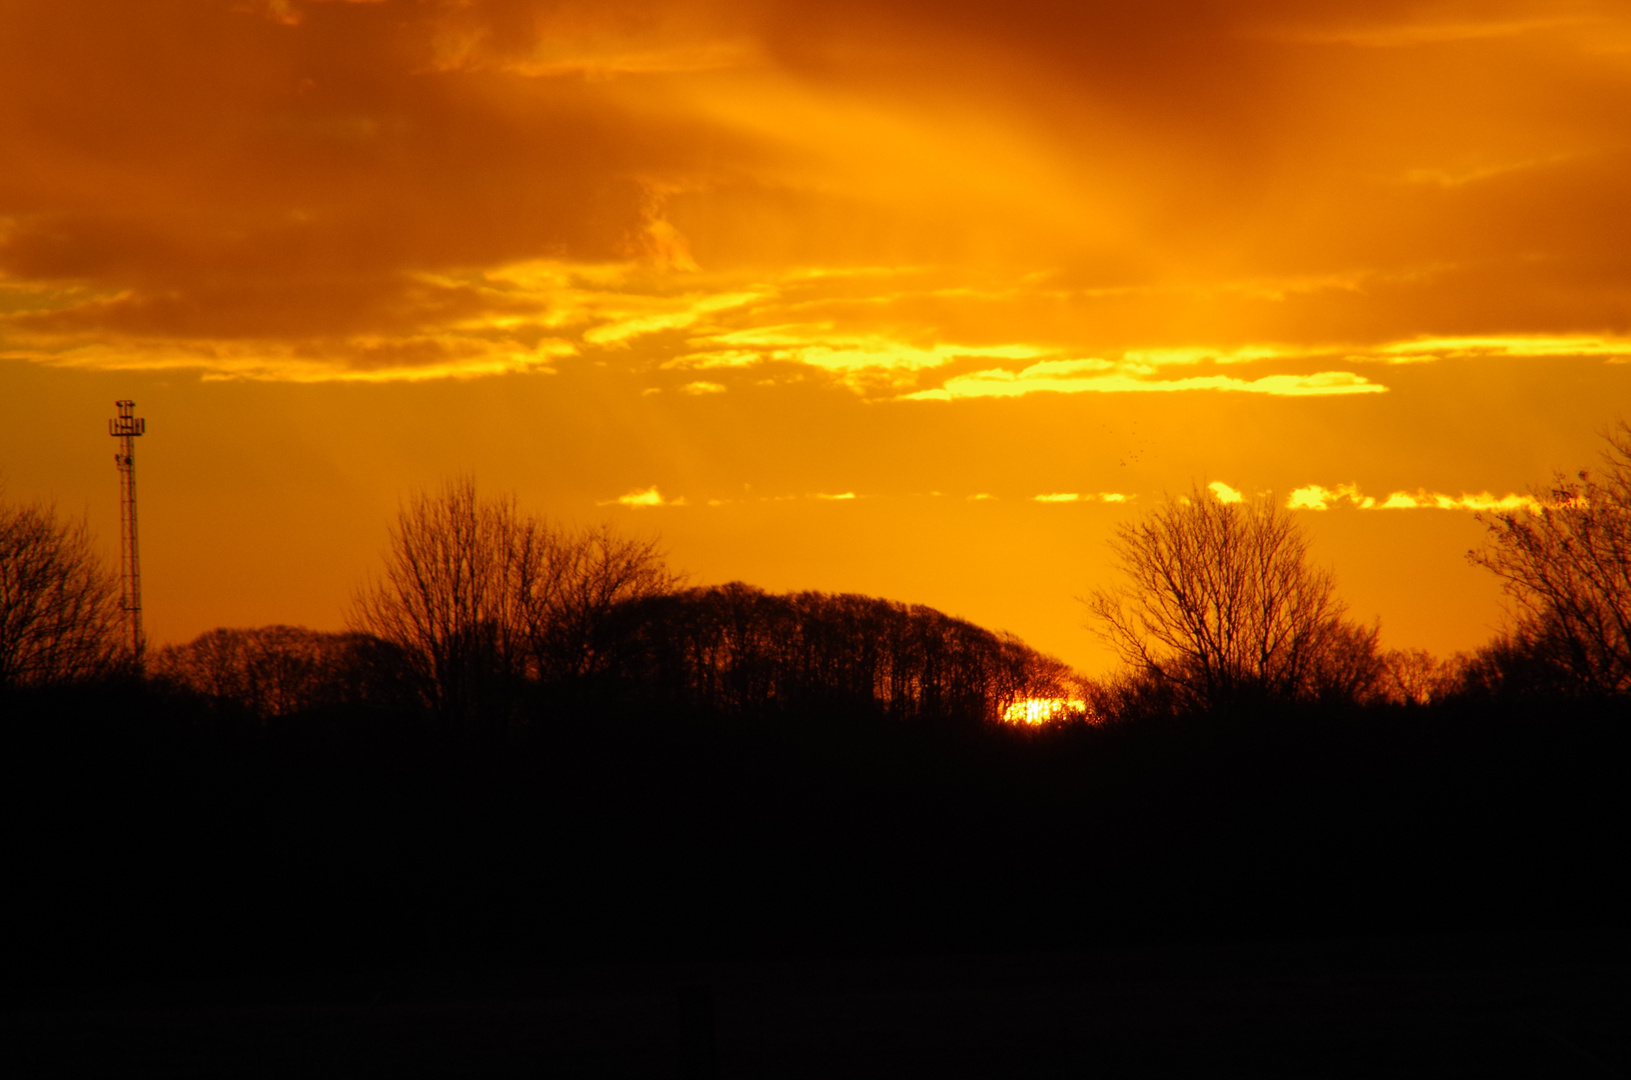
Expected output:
{"points": [[125, 429]]}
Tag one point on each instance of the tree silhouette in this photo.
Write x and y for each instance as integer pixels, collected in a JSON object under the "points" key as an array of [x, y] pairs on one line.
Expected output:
{"points": [[481, 598], [1221, 608], [569, 601], [455, 571], [272, 671], [1566, 563], [735, 648], [1417, 677], [59, 605]]}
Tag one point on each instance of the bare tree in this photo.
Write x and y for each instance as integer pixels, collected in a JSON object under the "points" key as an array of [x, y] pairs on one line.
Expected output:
{"points": [[455, 571], [480, 597], [570, 595], [59, 605], [215, 664], [1417, 677], [1565, 561], [1347, 664], [1222, 607]]}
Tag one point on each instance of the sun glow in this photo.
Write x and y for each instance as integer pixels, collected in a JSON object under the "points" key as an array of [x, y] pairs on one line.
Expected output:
{"points": [[1038, 711]]}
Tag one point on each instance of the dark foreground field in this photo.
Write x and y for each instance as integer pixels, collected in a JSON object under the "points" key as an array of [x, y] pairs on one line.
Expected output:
{"points": [[1491, 1006], [1394, 892]]}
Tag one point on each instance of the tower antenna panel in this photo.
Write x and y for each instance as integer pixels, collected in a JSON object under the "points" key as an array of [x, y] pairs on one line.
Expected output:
{"points": [[125, 428]]}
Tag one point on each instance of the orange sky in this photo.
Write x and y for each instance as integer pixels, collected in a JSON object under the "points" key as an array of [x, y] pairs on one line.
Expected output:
{"points": [[849, 296]]}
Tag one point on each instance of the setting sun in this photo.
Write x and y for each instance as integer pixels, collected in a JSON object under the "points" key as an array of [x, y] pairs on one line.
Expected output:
{"points": [[1036, 711]]}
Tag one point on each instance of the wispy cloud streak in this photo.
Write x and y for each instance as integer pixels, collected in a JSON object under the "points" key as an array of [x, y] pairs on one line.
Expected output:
{"points": [[1319, 497]]}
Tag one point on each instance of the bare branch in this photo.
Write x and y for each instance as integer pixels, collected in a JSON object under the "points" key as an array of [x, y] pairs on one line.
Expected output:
{"points": [[1220, 604], [481, 598], [1566, 565], [59, 614]]}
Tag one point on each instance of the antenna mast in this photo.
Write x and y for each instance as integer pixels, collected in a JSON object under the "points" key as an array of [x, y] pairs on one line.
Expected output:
{"points": [[126, 428]]}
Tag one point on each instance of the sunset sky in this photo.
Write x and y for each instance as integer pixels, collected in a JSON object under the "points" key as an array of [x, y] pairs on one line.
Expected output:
{"points": [[917, 300]]}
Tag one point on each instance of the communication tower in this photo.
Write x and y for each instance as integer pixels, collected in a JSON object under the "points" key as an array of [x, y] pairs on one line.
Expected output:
{"points": [[126, 428]]}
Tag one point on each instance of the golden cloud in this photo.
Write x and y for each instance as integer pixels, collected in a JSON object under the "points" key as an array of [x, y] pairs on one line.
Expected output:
{"points": [[1319, 497], [820, 345], [1075, 497], [682, 312], [1616, 349], [1042, 378], [638, 500], [361, 359], [721, 185]]}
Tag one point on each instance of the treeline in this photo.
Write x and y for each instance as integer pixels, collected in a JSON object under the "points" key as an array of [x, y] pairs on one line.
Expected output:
{"points": [[487, 618], [736, 649], [731, 649], [535, 743], [484, 617], [1220, 610], [155, 832]]}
